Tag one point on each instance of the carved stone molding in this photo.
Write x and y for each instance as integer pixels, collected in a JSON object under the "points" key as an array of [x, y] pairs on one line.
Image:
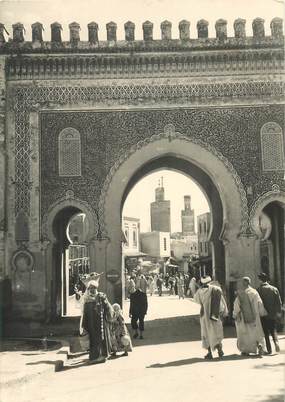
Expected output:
{"points": [[27, 256], [68, 200], [170, 134], [270, 196]]}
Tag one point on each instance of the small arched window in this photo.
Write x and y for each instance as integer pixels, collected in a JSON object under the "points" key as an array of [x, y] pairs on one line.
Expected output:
{"points": [[272, 147], [69, 152]]}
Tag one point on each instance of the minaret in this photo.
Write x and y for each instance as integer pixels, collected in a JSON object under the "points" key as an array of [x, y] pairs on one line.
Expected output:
{"points": [[187, 217], [160, 210], [159, 191]]}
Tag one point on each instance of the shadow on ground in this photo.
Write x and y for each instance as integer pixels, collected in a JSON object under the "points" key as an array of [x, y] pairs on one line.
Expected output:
{"points": [[28, 345], [272, 398], [184, 362], [269, 366]]}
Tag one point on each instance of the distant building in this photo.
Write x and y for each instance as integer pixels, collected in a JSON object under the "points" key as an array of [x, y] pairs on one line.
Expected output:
{"points": [[176, 235], [204, 225], [187, 217], [131, 243], [184, 247], [156, 244], [160, 211], [131, 229]]}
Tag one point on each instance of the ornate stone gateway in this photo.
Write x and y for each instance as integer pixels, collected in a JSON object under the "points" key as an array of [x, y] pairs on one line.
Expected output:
{"points": [[82, 122]]}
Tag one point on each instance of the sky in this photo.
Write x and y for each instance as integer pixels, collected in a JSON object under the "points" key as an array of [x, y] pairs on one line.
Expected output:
{"points": [[176, 185], [138, 11]]}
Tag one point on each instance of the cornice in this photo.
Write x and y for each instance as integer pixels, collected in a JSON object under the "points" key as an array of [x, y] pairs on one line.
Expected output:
{"points": [[144, 64]]}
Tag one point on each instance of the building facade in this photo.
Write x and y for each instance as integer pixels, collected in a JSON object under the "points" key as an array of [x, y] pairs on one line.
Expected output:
{"points": [[131, 229], [81, 122], [156, 244], [184, 247], [204, 227]]}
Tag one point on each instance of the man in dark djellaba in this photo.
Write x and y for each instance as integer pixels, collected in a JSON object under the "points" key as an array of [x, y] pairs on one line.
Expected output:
{"points": [[97, 315]]}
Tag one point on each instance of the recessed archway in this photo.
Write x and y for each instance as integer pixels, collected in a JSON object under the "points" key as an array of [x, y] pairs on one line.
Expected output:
{"points": [[217, 176], [268, 223], [54, 229]]}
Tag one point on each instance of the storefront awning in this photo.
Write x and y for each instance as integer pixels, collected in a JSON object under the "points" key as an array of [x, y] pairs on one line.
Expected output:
{"points": [[133, 253], [201, 260]]}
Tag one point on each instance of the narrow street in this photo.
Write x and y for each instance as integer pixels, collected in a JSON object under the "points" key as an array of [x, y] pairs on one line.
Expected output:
{"points": [[167, 365]]}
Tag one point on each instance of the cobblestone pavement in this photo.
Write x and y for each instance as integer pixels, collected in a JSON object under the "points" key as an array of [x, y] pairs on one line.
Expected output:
{"points": [[163, 369]]}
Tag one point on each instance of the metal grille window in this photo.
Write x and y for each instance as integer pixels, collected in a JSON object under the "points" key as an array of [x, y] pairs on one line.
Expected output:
{"points": [[164, 244], [272, 147], [69, 151]]}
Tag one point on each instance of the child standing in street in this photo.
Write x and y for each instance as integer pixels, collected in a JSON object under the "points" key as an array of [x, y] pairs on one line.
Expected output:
{"points": [[120, 337]]}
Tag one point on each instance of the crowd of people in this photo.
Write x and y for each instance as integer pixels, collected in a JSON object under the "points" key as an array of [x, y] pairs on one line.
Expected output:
{"points": [[178, 284], [255, 312]]}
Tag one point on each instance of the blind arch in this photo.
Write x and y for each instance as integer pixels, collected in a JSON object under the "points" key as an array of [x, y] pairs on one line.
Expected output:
{"points": [[69, 152], [272, 147]]}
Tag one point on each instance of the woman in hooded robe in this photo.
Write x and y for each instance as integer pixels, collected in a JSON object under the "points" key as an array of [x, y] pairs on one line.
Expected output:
{"points": [[96, 318]]}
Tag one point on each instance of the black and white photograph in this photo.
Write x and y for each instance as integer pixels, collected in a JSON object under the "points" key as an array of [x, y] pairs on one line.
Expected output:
{"points": [[142, 201]]}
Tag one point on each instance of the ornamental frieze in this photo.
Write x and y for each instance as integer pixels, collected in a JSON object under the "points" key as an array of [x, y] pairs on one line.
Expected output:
{"points": [[127, 125]]}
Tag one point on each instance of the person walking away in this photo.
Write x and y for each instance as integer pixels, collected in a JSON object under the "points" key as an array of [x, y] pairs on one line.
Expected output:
{"points": [[150, 284], [96, 318], [272, 303], [213, 309], [193, 286], [186, 284], [120, 338], [131, 285], [138, 310], [127, 286], [159, 284], [248, 308], [180, 286], [141, 282], [171, 281], [166, 280], [155, 282], [176, 279]]}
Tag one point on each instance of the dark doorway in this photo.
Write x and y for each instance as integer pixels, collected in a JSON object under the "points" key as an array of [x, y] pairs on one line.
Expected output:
{"points": [[70, 261]]}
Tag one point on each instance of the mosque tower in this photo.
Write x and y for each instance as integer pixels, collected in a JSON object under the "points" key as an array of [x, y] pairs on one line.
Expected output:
{"points": [[187, 217], [160, 210]]}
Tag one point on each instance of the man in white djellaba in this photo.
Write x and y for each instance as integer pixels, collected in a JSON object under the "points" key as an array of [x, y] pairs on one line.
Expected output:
{"points": [[213, 309], [248, 308]]}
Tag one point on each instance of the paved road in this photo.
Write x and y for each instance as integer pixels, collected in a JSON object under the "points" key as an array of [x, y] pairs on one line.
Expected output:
{"points": [[164, 371], [166, 306]]}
